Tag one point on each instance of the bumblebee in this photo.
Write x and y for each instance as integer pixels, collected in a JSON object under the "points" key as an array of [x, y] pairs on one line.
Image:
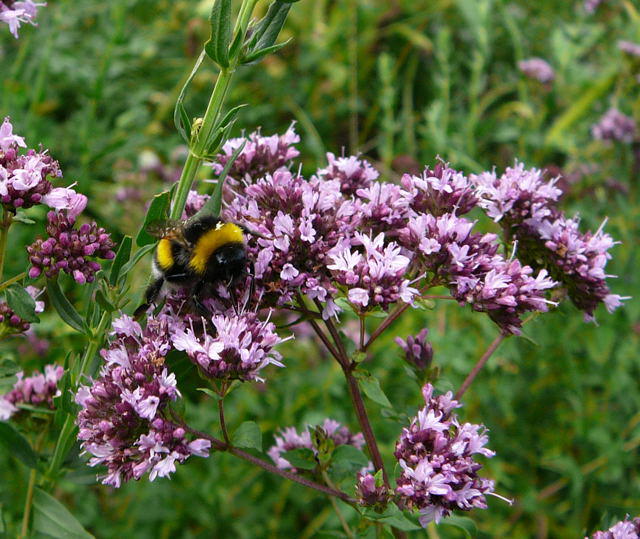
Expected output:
{"points": [[195, 253]]}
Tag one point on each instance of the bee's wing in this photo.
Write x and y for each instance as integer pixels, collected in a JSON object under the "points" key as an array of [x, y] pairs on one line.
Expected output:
{"points": [[171, 229]]}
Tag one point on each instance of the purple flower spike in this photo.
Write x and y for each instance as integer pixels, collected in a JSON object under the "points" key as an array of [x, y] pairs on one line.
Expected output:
{"points": [[289, 439], [370, 494], [615, 126], [123, 421], [260, 156], [437, 457], [418, 351], [625, 529], [538, 69], [352, 173], [68, 248], [37, 390], [241, 348]]}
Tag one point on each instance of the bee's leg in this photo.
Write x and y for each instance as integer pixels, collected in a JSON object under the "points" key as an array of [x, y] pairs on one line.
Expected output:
{"points": [[252, 286], [202, 310], [150, 296], [232, 294]]}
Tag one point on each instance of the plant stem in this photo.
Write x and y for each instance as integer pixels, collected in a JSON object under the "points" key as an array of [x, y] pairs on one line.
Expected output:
{"points": [[4, 235], [68, 426], [385, 324], [219, 445], [27, 505], [196, 154], [478, 366], [336, 508], [365, 425], [223, 425], [15, 279]]}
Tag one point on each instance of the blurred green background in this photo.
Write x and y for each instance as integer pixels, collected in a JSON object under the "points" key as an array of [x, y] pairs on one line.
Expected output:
{"points": [[402, 82]]}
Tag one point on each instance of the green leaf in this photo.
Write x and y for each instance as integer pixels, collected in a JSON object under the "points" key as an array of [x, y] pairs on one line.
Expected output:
{"points": [[217, 47], [53, 519], [136, 258], [102, 300], [8, 368], [393, 517], [261, 53], [18, 445], [180, 116], [465, 524], [371, 387], [209, 392], [248, 435], [266, 31], [66, 311], [122, 256], [21, 218], [347, 459], [213, 205], [22, 303], [158, 210], [301, 458]]}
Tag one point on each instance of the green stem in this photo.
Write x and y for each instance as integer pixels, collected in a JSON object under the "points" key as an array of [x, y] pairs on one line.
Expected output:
{"points": [[15, 279], [27, 505], [5, 224], [196, 153], [336, 508], [68, 426]]}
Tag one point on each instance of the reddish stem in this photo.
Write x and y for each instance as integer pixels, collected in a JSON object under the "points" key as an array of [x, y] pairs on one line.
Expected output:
{"points": [[478, 366]]}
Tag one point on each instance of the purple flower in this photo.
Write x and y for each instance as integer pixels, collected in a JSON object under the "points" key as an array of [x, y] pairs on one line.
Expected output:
{"points": [[577, 260], [195, 202], [437, 457], [124, 421], [439, 191], [260, 156], [516, 195], [68, 249], [538, 69], [590, 6], [418, 351], [14, 13], [352, 173], [371, 493], [289, 439], [301, 222], [240, 347], [625, 529], [37, 390], [615, 126], [63, 198], [629, 47], [23, 178], [375, 277]]}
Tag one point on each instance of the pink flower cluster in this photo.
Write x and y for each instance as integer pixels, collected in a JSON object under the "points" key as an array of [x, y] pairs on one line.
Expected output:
{"points": [[289, 439], [625, 529], [615, 125], [16, 12], [437, 456], [124, 420], [538, 69], [36, 390], [526, 204]]}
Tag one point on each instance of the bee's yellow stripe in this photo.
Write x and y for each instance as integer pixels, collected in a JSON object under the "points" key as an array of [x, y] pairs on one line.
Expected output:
{"points": [[164, 254], [212, 240]]}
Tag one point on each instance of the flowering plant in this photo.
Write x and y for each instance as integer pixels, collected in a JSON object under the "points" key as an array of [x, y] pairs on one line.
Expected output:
{"points": [[336, 257]]}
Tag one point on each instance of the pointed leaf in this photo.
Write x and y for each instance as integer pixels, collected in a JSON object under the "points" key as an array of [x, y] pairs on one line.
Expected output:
{"points": [[122, 256], [66, 311], [248, 435], [261, 53], [22, 303], [267, 30], [136, 258], [301, 458], [158, 210], [18, 445], [53, 519], [217, 47], [179, 108], [371, 387], [213, 205]]}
